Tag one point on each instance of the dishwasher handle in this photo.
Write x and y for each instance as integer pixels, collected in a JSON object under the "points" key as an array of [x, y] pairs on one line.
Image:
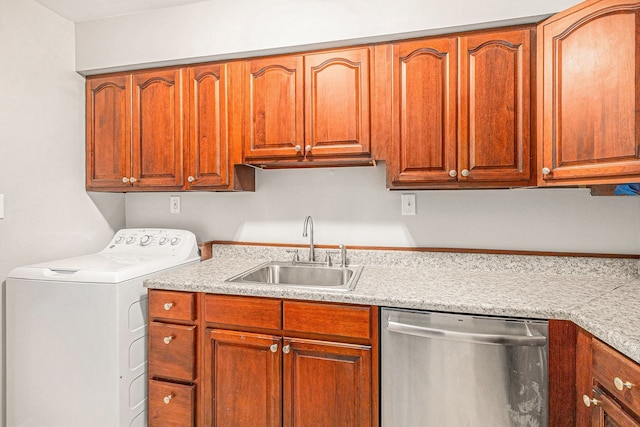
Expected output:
{"points": [[534, 340]]}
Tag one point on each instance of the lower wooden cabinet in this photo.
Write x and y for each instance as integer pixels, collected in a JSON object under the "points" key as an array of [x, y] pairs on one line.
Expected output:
{"points": [[608, 386], [233, 361]]}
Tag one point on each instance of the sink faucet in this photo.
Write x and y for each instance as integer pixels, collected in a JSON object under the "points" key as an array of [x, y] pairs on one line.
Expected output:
{"points": [[308, 224]]}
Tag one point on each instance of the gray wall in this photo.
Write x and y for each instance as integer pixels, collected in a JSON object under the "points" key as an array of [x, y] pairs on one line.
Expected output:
{"points": [[214, 29], [352, 206], [48, 214]]}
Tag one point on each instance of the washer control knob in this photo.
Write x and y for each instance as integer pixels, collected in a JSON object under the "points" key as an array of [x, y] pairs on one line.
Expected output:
{"points": [[119, 240], [131, 239], [146, 240], [164, 240], [175, 241]]}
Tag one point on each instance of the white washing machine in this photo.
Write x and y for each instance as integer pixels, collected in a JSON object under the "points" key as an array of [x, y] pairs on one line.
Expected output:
{"points": [[76, 332]]}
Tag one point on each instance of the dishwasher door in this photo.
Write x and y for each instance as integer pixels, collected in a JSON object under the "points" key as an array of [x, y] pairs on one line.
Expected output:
{"points": [[462, 370]]}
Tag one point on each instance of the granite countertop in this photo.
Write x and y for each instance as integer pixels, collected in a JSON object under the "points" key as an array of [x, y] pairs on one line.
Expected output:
{"points": [[601, 295]]}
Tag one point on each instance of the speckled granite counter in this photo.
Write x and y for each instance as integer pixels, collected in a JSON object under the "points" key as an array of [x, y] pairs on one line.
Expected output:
{"points": [[602, 295]]}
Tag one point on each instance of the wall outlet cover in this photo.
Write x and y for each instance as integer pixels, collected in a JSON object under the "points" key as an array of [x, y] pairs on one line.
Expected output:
{"points": [[408, 204]]}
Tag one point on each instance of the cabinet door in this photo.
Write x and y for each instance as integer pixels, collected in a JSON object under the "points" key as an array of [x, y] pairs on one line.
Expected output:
{"points": [[495, 100], [158, 129], [243, 379], [274, 95], [424, 112], [326, 384], [337, 103], [108, 127], [208, 137], [589, 115], [607, 413]]}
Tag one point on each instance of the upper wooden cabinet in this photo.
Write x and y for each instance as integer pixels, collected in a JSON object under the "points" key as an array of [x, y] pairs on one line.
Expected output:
{"points": [[588, 106], [302, 109], [461, 111], [167, 129]]}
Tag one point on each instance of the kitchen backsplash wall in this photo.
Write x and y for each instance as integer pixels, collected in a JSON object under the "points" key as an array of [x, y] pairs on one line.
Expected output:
{"points": [[352, 206]]}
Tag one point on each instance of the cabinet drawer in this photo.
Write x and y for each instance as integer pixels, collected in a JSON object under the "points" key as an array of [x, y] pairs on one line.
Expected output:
{"points": [[173, 305], [327, 319], [608, 365], [243, 311], [172, 351], [171, 405]]}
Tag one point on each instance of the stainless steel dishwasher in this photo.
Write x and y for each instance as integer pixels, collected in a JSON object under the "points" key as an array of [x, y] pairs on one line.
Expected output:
{"points": [[451, 370]]}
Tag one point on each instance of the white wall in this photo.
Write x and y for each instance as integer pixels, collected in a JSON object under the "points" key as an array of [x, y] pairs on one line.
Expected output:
{"points": [[48, 214], [352, 206], [224, 29]]}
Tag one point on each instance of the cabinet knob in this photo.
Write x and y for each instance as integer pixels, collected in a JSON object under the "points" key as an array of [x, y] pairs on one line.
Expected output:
{"points": [[588, 401], [307, 148], [465, 172], [621, 385], [132, 179], [453, 173], [125, 180], [273, 348], [286, 349], [546, 171], [168, 305], [167, 398], [168, 339], [298, 148], [190, 178]]}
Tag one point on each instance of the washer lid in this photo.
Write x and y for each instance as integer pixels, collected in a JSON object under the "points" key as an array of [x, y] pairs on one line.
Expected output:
{"points": [[99, 268]]}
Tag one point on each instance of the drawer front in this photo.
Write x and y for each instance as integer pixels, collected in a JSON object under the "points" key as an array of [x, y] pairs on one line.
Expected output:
{"points": [[243, 311], [608, 365], [171, 405], [172, 305], [327, 319], [172, 351]]}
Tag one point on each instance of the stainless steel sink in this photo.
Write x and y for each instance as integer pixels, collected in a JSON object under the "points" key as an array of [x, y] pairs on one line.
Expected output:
{"points": [[301, 275]]}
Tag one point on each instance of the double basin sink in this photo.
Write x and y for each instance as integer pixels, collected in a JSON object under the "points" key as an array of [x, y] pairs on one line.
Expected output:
{"points": [[301, 275]]}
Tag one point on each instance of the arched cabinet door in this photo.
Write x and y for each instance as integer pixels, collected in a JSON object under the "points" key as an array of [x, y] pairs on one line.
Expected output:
{"points": [[424, 111], [495, 107], [108, 127], [208, 164], [588, 114], [274, 107], [337, 103], [158, 128]]}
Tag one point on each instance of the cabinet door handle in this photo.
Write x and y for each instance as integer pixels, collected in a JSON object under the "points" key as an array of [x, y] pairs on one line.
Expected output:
{"points": [[588, 401], [546, 171], [190, 178], [621, 385], [132, 179], [168, 339], [167, 398], [453, 173], [298, 148], [307, 148], [286, 349], [168, 305], [125, 180], [465, 172], [273, 348]]}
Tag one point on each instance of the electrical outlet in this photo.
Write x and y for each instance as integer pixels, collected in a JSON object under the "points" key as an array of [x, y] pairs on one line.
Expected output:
{"points": [[408, 204], [174, 204]]}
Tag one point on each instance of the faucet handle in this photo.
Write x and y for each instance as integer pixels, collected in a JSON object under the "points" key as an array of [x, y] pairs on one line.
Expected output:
{"points": [[343, 255], [296, 256]]}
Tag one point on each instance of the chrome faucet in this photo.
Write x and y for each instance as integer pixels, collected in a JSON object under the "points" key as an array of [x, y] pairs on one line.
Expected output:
{"points": [[308, 224]]}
